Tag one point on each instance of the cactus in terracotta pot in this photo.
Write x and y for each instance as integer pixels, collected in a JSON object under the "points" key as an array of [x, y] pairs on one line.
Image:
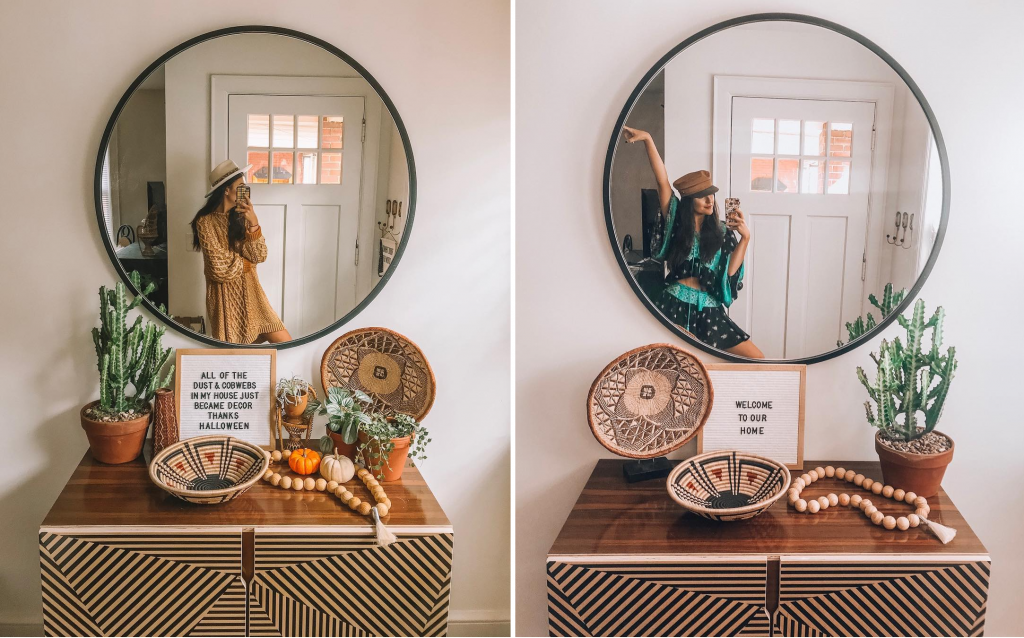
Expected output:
{"points": [[909, 379], [909, 392], [125, 356]]}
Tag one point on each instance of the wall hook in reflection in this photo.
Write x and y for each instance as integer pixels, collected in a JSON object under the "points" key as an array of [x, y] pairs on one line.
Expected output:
{"points": [[392, 213], [904, 222]]}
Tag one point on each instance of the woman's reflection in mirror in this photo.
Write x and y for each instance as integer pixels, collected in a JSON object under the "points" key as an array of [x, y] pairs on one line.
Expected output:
{"points": [[228, 233], [703, 257]]}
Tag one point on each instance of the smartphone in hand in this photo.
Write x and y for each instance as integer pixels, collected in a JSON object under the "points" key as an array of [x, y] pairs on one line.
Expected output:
{"points": [[731, 205], [242, 193]]}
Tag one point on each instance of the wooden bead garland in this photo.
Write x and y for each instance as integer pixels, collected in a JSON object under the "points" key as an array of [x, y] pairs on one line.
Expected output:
{"points": [[379, 510], [902, 523]]}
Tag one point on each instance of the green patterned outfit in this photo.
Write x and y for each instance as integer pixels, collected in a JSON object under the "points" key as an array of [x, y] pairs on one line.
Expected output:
{"points": [[700, 312]]}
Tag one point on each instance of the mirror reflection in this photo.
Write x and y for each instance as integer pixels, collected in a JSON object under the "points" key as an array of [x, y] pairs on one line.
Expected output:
{"points": [[260, 183], [768, 186]]}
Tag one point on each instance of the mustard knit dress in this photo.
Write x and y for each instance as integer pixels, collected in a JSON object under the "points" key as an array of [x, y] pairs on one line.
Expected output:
{"points": [[237, 309]]}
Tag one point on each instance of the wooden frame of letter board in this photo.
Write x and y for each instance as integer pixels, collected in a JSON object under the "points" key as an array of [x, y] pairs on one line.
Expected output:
{"points": [[274, 440], [768, 368]]}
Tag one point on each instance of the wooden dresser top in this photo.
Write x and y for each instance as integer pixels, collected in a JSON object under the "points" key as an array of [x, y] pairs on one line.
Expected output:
{"points": [[99, 495], [612, 517]]}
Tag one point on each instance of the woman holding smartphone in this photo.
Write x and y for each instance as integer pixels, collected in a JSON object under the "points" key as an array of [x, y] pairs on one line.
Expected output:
{"points": [[703, 257], [228, 233]]}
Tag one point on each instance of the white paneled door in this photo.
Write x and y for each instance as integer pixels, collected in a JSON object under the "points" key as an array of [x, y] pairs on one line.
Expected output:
{"points": [[802, 171], [306, 156]]}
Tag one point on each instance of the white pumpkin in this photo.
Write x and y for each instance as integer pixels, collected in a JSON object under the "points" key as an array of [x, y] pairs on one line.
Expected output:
{"points": [[337, 468]]}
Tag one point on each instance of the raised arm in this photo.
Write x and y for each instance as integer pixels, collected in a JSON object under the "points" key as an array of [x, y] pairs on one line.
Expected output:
{"points": [[657, 165], [224, 263]]}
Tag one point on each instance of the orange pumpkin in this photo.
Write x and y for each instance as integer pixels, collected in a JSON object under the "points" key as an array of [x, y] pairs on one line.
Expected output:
{"points": [[304, 461]]}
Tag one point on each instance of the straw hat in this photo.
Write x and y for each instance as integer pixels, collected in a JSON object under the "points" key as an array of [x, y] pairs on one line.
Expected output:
{"points": [[695, 184], [225, 172]]}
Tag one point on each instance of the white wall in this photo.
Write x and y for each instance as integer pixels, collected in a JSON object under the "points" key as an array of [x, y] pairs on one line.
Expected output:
{"points": [[575, 312], [393, 185], [140, 154], [446, 66]]}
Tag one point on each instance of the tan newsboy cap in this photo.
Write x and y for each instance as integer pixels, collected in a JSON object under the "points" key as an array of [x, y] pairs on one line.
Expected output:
{"points": [[695, 184]]}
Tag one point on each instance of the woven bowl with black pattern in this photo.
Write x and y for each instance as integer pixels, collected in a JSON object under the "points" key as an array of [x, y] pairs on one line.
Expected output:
{"points": [[728, 485], [209, 469]]}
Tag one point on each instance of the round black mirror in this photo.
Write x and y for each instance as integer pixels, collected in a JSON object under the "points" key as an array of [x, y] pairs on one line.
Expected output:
{"points": [[776, 188], [256, 185]]}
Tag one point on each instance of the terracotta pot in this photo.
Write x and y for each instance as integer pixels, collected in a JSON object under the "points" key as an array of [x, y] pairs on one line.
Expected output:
{"points": [[396, 460], [344, 449], [296, 409], [918, 473], [115, 442]]}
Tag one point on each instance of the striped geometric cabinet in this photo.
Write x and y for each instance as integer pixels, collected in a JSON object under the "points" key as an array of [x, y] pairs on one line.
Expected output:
{"points": [[120, 557], [629, 562]]}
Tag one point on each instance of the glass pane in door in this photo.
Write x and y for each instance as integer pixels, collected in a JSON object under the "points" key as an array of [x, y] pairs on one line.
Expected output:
{"points": [[305, 168], [333, 132], [284, 131], [282, 168], [762, 173], [330, 168]]}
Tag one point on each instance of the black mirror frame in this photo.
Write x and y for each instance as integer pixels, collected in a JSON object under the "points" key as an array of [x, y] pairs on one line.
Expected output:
{"points": [[659, 66], [389, 105]]}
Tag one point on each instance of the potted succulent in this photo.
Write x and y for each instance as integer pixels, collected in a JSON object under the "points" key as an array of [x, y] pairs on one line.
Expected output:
{"points": [[345, 413], [908, 392], [293, 396], [385, 444], [133, 356]]}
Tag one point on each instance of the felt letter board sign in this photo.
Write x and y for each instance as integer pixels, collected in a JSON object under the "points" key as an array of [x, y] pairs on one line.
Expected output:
{"points": [[758, 409], [228, 392]]}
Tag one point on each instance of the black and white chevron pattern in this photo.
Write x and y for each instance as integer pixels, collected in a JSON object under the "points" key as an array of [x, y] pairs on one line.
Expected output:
{"points": [[656, 599], [120, 586], [350, 586], [226, 617], [190, 585], [883, 598]]}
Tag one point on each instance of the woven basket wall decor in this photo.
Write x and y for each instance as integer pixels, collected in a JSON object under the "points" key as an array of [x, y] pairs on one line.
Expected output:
{"points": [[386, 366], [650, 401]]}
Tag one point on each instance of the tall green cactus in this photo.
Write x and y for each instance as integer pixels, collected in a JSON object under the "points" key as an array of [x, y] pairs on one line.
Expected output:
{"points": [[909, 380], [128, 356], [890, 300]]}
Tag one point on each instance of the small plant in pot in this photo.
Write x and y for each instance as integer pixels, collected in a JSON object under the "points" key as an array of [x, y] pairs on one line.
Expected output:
{"points": [[909, 392], [126, 356], [385, 444], [293, 396], [345, 414]]}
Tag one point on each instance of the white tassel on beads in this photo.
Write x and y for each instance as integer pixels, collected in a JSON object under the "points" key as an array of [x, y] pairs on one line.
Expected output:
{"points": [[944, 533], [385, 537]]}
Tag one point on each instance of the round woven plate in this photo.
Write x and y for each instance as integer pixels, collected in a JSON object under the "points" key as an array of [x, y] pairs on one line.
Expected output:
{"points": [[650, 401], [386, 366], [728, 485]]}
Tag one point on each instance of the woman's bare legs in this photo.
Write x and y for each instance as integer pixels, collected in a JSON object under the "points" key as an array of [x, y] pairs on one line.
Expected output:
{"points": [[278, 336], [746, 349]]}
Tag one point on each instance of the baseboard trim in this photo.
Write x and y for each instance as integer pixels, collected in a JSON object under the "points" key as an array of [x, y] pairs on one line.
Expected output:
{"points": [[479, 628], [21, 629]]}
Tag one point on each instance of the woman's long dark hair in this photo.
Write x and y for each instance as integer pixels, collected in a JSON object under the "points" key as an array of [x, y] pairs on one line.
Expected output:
{"points": [[711, 235], [236, 221]]}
